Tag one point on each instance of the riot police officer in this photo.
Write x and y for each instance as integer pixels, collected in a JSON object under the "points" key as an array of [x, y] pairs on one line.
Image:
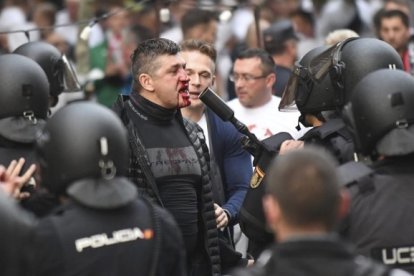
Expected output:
{"points": [[302, 205], [56, 65], [23, 107], [101, 227], [380, 116], [322, 83]]}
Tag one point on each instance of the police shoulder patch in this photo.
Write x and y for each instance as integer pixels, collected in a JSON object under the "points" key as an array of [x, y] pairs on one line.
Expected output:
{"points": [[257, 178]]}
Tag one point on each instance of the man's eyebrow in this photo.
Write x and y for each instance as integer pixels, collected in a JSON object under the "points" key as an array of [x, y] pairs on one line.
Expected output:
{"points": [[205, 72], [177, 66]]}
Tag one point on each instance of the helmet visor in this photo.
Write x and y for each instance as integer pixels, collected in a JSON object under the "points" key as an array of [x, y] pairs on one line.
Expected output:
{"points": [[70, 80], [287, 103], [321, 64]]}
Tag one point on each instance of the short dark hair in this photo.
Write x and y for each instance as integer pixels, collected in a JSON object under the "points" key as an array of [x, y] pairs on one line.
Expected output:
{"points": [[268, 64], [144, 57], [201, 46], [399, 2], [305, 184], [195, 17], [382, 14], [305, 15]]}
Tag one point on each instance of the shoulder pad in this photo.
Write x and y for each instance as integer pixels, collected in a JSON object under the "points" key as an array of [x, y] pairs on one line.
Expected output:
{"points": [[349, 173], [273, 142], [329, 127]]}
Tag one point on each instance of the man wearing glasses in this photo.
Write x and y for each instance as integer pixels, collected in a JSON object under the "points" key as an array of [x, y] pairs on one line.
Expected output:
{"points": [[253, 76]]}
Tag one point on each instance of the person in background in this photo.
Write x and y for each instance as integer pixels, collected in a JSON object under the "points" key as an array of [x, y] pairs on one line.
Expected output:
{"points": [[230, 165], [393, 26], [281, 42], [255, 105], [339, 35], [109, 57]]}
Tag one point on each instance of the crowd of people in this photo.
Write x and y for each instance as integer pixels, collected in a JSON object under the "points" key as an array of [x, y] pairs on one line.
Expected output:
{"points": [[307, 173]]}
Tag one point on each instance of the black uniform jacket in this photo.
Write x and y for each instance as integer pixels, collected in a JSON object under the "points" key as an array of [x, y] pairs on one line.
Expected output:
{"points": [[76, 240]]}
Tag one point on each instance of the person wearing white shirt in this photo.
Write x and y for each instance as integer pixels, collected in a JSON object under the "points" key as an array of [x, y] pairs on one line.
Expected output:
{"points": [[255, 106]]}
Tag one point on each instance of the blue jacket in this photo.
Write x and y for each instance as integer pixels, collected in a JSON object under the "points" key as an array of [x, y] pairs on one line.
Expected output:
{"points": [[234, 163]]}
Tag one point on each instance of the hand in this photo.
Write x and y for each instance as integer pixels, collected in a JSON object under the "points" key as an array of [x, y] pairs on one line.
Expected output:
{"points": [[289, 145], [221, 217], [11, 182]]}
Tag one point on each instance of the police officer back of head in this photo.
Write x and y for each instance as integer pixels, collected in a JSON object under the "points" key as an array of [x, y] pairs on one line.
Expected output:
{"points": [[323, 82], [380, 114], [24, 92], [102, 228], [380, 117], [59, 71]]}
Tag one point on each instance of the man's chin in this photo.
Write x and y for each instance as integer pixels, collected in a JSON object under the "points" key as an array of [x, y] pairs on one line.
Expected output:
{"points": [[196, 104]]}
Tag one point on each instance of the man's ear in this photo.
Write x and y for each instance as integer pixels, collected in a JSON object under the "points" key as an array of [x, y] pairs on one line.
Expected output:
{"points": [[271, 210], [146, 82], [344, 204], [271, 79]]}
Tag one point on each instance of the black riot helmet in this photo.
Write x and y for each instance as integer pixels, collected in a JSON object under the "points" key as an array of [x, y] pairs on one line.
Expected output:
{"points": [[59, 71], [380, 113], [340, 68], [309, 96], [23, 88], [83, 153]]}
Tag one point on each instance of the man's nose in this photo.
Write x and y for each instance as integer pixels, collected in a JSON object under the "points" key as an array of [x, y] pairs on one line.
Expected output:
{"points": [[195, 80], [183, 76], [239, 82]]}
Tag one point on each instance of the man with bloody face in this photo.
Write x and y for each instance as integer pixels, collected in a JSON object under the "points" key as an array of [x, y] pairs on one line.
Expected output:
{"points": [[168, 157]]}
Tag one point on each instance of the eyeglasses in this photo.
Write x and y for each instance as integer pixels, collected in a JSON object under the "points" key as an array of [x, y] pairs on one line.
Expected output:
{"points": [[245, 77]]}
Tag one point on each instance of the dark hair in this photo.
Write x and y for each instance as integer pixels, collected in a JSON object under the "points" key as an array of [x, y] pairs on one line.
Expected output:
{"points": [[268, 64], [382, 14], [195, 17], [399, 2], [305, 15], [201, 46], [305, 184], [144, 57]]}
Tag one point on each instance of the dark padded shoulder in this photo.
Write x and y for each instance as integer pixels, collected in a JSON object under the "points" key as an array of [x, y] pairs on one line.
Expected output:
{"points": [[274, 141], [323, 131], [349, 173]]}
